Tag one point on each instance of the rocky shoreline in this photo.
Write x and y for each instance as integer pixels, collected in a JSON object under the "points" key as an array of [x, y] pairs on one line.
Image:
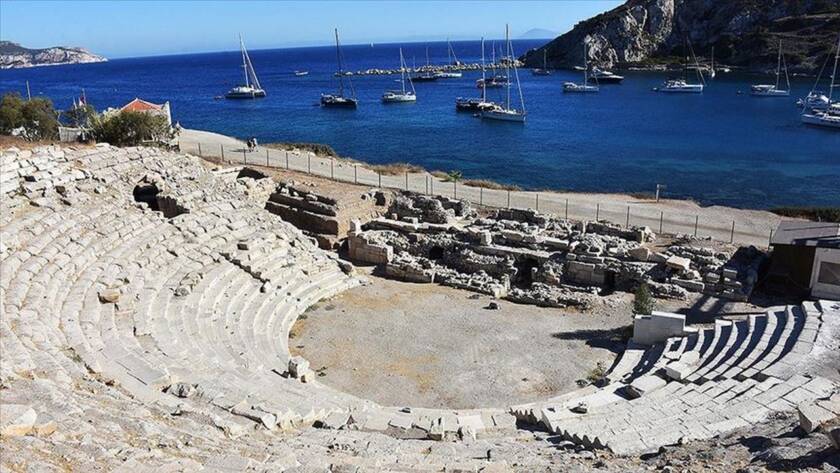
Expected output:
{"points": [[15, 56]]}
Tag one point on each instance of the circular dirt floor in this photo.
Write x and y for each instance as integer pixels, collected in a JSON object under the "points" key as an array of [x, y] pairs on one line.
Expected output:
{"points": [[425, 345]]}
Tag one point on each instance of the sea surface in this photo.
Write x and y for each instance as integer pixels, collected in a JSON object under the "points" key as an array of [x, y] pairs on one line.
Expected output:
{"points": [[716, 148]]}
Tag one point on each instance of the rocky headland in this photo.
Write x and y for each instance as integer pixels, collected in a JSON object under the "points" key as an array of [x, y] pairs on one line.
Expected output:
{"points": [[13, 56], [743, 33]]}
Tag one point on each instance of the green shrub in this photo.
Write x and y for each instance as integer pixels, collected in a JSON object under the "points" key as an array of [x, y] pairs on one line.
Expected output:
{"points": [[643, 302], [131, 128], [34, 119]]}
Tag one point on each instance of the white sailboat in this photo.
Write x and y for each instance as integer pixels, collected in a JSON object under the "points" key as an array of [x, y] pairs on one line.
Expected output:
{"points": [[506, 112], [682, 86], [449, 74], [338, 100], [476, 104], [767, 90], [571, 87], [830, 117], [543, 71], [403, 95], [251, 89]]}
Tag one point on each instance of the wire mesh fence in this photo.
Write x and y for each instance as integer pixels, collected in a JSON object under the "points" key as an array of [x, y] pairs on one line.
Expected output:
{"points": [[637, 213]]}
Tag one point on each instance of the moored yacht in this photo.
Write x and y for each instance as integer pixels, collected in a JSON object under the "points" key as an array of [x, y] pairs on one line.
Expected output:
{"points": [[338, 100], [605, 77], [830, 117], [542, 71], [682, 86], [450, 73], [403, 95], [252, 88], [814, 101], [571, 87], [476, 104], [767, 90], [506, 112]]}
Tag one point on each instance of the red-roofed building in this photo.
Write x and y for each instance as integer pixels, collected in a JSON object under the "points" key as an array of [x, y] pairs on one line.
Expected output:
{"points": [[139, 105]]}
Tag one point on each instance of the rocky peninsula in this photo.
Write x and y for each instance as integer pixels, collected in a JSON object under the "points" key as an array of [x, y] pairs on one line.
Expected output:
{"points": [[14, 56], [743, 33]]}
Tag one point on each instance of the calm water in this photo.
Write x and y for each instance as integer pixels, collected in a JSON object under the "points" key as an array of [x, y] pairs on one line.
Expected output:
{"points": [[717, 148]]}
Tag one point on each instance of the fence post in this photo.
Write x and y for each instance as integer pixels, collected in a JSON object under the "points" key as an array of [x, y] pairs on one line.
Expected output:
{"points": [[480, 196], [508, 198], [567, 209], [223, 151], [732, 233], [267, 164], [199, 149], [427, 184], [627, 225], [770, 240], [661, 218], [538, 201], [432, 182], [597, 211], [455, 189], [355, 174], [309, 163], [380, 178], [287, 159], [406, 180], [244, 157], [696, 221], [332, 168]]}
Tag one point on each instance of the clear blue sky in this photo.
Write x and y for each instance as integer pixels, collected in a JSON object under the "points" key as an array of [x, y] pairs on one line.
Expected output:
{"points": [[143, 28]]}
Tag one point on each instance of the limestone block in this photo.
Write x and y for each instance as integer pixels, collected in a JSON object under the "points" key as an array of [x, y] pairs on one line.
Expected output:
{"points": [[644, 385], [657, 327], [109, 295], [16, 420], [812, 416], [438, 430], [640, 253], [678, 263], [730, 273], [298, 367]]}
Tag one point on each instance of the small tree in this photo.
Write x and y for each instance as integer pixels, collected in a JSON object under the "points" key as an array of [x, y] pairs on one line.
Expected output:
{"points": [[454, 176], [34, 119], [643, 303], [130, 128]]}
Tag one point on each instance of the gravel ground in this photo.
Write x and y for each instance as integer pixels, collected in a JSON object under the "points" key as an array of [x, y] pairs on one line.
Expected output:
{"points": [[426, 345]]}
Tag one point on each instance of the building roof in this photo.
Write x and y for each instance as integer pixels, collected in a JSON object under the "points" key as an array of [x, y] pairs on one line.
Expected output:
{"points": [[138, 105], [798, 233]]}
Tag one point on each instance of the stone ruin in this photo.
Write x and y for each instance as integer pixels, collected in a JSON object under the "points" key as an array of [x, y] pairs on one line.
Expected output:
{"points": [[528, 257], [147, 300]]}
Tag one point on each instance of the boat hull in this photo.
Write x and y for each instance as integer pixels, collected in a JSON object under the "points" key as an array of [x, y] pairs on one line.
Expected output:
{"points": [[540, 72], [399, 98], [605, 80], [449, 75], [570, 88], [424, 79], [770, 93], [830, 121], [256, 94], [331, 101], [681, 90], [472, 105], [503, 116]]}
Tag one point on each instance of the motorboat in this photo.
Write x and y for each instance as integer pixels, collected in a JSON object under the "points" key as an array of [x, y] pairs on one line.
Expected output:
{"points": [[604, 77], [680, 86], [301, 73]]}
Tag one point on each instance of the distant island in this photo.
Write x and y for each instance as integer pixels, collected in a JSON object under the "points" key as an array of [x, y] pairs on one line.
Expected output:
{"points": [[744, 33], [537, 33], [13, 56]]}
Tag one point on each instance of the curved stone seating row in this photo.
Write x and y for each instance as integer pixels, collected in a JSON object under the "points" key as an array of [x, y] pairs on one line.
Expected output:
{"points": [[713, 382]]}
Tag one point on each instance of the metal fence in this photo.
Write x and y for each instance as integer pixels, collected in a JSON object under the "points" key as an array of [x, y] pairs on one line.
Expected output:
{"points": [[642, 213]]}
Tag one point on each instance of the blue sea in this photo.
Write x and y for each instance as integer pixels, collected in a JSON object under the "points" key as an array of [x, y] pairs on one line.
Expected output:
{"points": [[716, 148]]}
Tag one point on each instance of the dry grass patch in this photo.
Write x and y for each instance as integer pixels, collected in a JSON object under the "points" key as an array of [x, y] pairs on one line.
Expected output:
{"points": [[487, 184], [395, 169]]}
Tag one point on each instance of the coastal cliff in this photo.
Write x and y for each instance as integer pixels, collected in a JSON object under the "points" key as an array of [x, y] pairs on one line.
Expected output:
{"points": [[13, 55], [744, 33]]}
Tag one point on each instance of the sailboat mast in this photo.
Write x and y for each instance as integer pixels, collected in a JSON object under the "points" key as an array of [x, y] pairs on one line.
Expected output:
{"points": [[340, 71], [448, 52], [244, 62], [779, 65], [483, 74], [834, 74], [402, 71], [507, 66]]}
